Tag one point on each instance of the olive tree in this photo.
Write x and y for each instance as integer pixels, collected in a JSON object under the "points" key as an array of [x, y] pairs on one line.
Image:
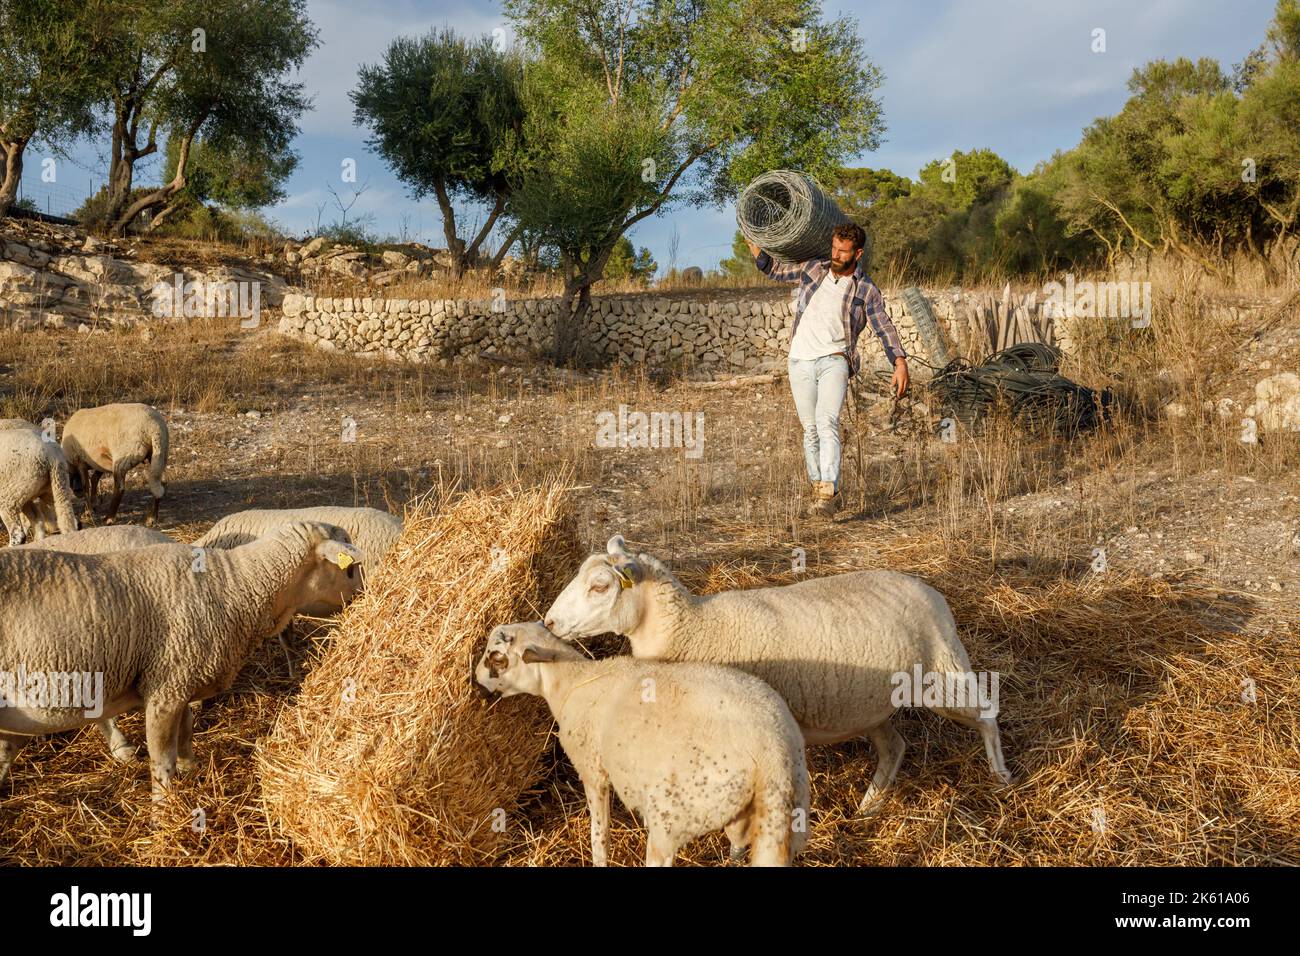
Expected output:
{"points": [[47, 77], [439, 108], [635, 106], [198, 68]]}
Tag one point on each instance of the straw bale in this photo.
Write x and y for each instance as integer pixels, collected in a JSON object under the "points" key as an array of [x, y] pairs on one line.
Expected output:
{"points": [[388, 756]]}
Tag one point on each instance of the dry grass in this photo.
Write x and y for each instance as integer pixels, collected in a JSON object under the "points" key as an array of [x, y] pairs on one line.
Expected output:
{"points": [[206, 365], [387, 755]]}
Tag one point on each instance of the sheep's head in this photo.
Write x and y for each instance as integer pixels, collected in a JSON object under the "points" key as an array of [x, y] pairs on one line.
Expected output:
{"points": [[507, 664], [331, 573], [602, 598]]}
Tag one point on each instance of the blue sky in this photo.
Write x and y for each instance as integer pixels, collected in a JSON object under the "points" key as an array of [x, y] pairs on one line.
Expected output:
{"points": [[1016, 76]]}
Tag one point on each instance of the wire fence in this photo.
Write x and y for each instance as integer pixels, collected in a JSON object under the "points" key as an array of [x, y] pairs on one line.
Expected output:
{"points": [[53, 199]]}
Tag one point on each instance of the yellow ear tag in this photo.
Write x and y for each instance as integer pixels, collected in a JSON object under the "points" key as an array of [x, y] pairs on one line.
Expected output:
{"points": [[344, 560], [624, 578]]}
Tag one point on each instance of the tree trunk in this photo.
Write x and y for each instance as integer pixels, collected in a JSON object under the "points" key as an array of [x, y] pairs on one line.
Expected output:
{"points": [[505, 247], [1272, 274], [471, 254], [455, 247], [176, 203], [166, 192], [1264, 255], [13, 171], [571, 343], [531, 249], [1189, 251], [149, 201], [120, 171], [567, 322]]}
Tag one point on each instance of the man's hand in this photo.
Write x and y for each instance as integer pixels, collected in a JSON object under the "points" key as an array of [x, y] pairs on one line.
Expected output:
{"points": [[753, 249], [901, 378]]}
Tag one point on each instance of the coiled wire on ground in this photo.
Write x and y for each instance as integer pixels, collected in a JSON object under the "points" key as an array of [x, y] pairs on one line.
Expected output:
{"points": [[1024, 380]]}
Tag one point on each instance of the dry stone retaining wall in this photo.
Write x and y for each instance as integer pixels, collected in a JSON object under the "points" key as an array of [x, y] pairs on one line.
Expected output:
{"points": [[732, 336], [55, 276]]}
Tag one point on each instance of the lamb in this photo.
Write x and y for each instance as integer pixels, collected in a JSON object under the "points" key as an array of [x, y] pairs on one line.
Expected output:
{"points": [[373, 531], [113, 439], [690, 748], [33, 483], [154, 627], [839, 649]]}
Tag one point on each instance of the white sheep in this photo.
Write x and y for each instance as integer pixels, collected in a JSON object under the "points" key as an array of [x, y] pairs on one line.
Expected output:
{"points": [[690, 748], [373, 531], [834, 647], [103, 540], [29, 529], [159, 626], [113, 439], [33, 484]]}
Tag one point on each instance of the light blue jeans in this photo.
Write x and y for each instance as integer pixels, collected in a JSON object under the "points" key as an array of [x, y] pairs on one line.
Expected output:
{"points": [[819, 386]]}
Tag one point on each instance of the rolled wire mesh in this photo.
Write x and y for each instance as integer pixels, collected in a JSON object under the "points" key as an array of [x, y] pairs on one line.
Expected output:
{"points": [[1025, 380], [787, 215]]}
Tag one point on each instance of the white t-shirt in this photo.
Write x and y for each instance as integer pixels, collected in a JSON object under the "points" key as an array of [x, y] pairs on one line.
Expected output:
{"points": [[821, 327]]}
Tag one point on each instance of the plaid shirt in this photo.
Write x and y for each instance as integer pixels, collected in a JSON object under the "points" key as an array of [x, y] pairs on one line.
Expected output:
{"points": [[863, 304]]}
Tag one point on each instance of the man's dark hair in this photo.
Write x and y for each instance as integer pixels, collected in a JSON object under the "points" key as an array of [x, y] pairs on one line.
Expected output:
{"points": [[851, 230]]}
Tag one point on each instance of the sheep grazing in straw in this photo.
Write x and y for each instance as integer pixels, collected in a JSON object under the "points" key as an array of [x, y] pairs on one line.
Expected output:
{"points": [[102, 540], [155, 627], [113, 439], [373, 531], [690, 748], [33, 483], [833, 647], [105, 541]]}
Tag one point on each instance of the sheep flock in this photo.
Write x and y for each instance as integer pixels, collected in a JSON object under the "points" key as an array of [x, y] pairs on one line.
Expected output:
{"points": [[703, 727]]}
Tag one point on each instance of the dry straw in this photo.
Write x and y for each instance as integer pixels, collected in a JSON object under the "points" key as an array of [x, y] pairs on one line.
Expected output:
{"points": [[1123, 720], [388, 756]]}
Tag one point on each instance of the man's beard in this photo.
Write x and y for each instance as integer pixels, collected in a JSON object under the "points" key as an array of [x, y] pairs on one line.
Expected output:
{"points": [[842, 270]]}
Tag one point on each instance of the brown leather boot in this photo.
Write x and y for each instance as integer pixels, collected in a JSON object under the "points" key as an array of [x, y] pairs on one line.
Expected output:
{"points": [[828, 499]]}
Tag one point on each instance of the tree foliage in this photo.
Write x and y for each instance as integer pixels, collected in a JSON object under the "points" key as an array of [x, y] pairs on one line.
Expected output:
{"points": [[636, 106], [439, 109], [625, 263], [48, 63], [1200, 164], [198, 68]]}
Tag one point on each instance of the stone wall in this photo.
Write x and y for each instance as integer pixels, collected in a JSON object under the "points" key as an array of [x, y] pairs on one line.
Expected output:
{"points": [[51, 276], [723, 334], [54, 276]]}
